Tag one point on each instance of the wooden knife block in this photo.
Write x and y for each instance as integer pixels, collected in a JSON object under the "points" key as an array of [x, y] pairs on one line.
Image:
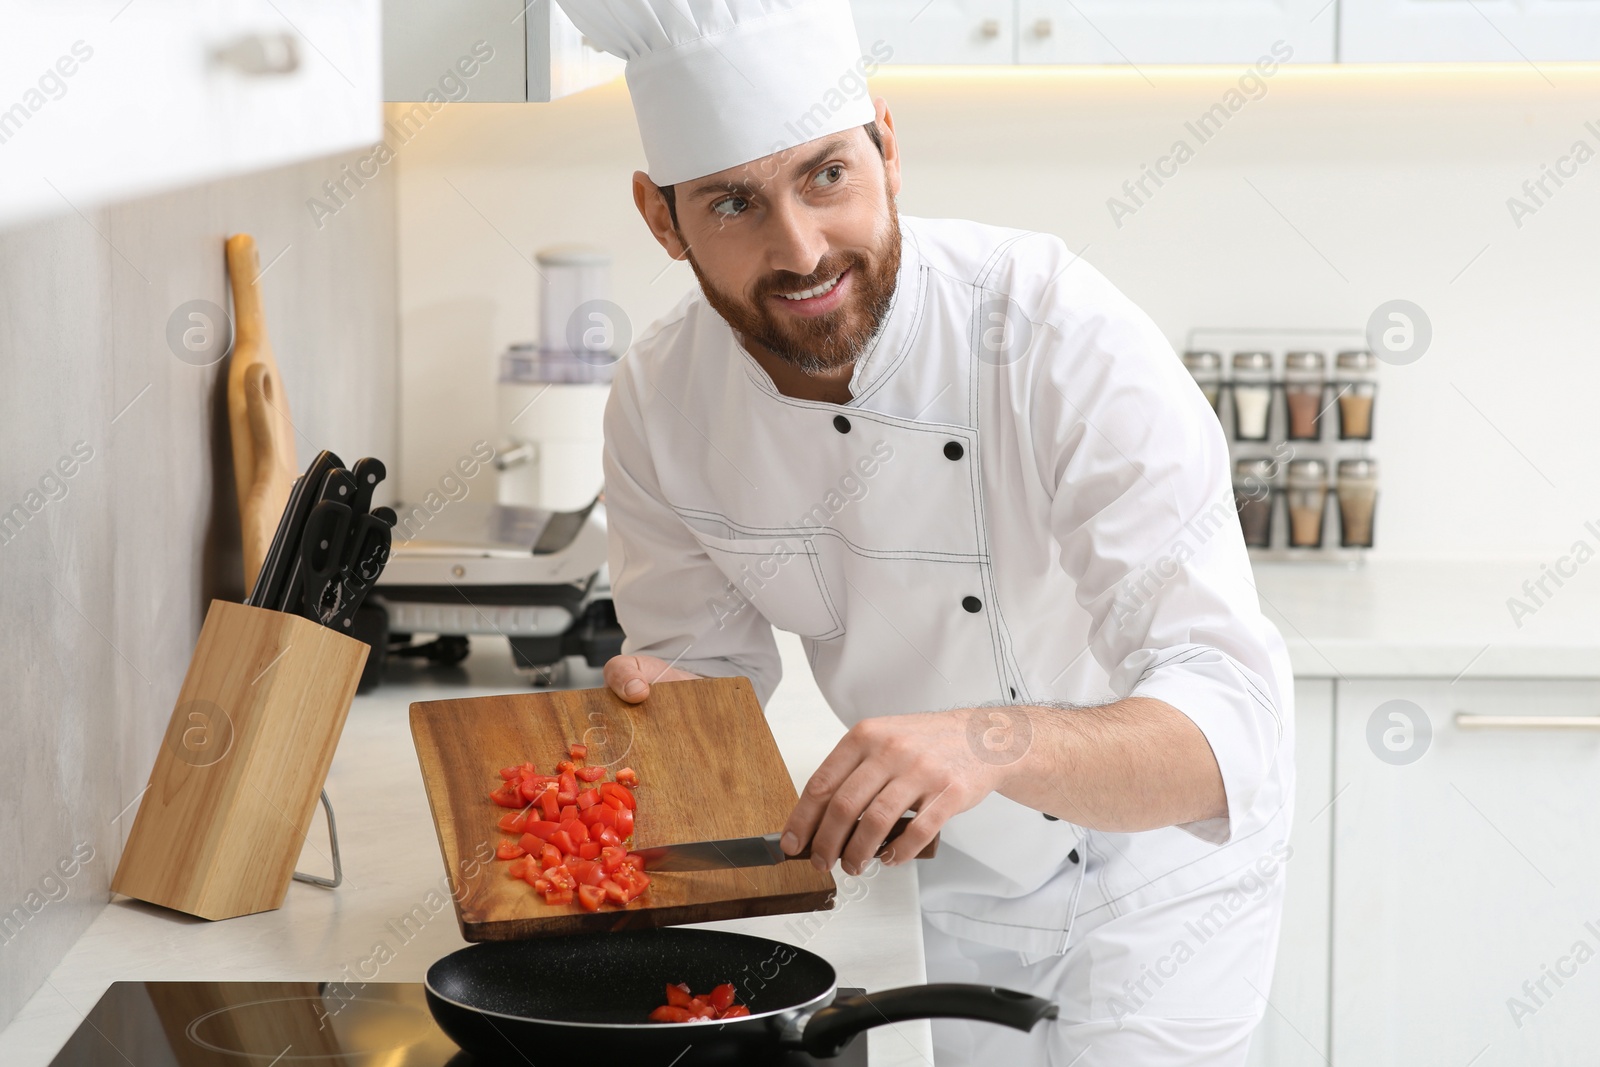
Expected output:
{"points": [[236, 781]]}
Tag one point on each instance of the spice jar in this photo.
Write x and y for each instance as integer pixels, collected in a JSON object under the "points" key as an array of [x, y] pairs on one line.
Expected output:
{"points": [[1358, 501], [1307, 493], [1252, 495], [1356, 384], [1206, 369], [1252, 395], [1303, 374]]}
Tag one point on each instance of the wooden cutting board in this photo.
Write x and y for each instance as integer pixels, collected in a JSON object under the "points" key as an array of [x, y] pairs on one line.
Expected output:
{"points": [[708, 768], [264, 464]]}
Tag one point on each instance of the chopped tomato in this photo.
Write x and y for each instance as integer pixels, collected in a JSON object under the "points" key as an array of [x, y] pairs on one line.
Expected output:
{"points": [[573, 830], [620, 792], [507, 796], [682, 1006], [628, 777], [668, 1014], [540, 828]]}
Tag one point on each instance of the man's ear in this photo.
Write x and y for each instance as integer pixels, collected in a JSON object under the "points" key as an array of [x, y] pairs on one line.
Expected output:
{"points": [[891, 146], [652, 205]]}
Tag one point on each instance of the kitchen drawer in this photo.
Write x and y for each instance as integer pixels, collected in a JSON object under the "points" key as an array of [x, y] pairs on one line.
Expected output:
{"points": [[108, 100], [1466, 884]]}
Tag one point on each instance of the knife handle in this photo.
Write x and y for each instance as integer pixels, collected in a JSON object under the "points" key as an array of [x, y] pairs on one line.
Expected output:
{"points": [[899, 827]]}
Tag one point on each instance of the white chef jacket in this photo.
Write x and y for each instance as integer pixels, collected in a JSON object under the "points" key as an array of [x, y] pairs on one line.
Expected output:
{"points": [[979, 524]]}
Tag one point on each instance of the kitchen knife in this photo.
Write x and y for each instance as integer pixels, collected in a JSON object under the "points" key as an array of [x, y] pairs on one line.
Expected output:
{"points": [[337, 487], [731, 852], [323, 550], [269, 588], [369, 550], [368, 472]]}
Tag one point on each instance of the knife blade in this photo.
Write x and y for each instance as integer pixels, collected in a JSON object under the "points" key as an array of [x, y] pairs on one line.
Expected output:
{"points": [[731, 852]]}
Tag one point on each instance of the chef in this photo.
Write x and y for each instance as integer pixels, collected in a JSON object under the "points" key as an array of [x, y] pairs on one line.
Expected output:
{"points": [[979, 485]]}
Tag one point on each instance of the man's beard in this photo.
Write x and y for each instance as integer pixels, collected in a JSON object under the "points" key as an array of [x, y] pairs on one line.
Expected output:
{"points": [[822, 343]]}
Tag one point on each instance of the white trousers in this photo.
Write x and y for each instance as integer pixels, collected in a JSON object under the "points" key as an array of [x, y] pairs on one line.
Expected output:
{"points": [[1173, 982]]}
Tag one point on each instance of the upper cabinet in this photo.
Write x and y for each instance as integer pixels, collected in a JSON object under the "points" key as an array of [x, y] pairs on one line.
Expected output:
{"points": [[1174, 31], [1508, 31], [1153, 32], [515, 51], [103, 101], [937, 31], [1097, 31]]}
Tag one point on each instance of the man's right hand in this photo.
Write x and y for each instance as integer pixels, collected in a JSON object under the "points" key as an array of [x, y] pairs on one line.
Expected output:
{"points": [[630, 677]]}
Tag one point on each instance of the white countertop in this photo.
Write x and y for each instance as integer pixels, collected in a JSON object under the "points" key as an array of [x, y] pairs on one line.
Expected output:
{"points": [[1434, 620], [392, 862]]}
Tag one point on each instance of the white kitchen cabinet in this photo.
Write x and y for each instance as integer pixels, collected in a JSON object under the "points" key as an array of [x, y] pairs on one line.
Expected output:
{"points": [[1294, 1031], [518, 50], [937, 31], [1235, 32], [105, 100], [1466, 894], [1508, 31]]}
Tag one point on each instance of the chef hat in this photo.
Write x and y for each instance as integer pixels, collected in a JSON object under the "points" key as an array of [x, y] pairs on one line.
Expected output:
{"points": [[717, 83]]}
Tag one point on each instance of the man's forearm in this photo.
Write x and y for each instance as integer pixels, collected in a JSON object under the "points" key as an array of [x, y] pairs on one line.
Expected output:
{"points": [[1136, 764]]}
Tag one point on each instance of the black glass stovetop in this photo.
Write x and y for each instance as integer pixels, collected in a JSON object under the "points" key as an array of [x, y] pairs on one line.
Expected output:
{"points": [[284, 1024]]}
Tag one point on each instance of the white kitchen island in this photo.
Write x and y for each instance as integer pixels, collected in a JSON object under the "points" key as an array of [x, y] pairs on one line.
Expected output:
{"points": [[393, 871]]}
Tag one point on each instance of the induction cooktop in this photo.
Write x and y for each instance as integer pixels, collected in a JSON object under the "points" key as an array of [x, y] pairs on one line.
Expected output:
{"points": [[284, 1024]]}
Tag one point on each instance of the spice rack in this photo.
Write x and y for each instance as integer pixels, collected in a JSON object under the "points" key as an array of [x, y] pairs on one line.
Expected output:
{"points": [[1297, 407]]}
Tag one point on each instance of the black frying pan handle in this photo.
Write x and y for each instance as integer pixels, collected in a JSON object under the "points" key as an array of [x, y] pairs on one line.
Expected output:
{"points": [[832, 1028]]}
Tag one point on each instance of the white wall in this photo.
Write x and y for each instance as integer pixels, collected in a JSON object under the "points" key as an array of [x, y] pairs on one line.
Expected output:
{"points": [[103, 589], [1396, 181]]}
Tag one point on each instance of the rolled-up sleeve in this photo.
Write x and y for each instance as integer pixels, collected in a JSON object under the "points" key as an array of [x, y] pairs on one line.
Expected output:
{"points": [[1143, 510], [664, 586]]}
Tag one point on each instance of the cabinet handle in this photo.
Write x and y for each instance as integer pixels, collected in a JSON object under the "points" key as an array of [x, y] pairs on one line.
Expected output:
{"points": [[1467, 721], [989, 27], [1041, 28], [260, 53], [515, 455]]}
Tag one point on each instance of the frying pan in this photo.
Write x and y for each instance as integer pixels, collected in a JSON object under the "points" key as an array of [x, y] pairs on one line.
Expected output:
{"points": [[550, 998]]}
